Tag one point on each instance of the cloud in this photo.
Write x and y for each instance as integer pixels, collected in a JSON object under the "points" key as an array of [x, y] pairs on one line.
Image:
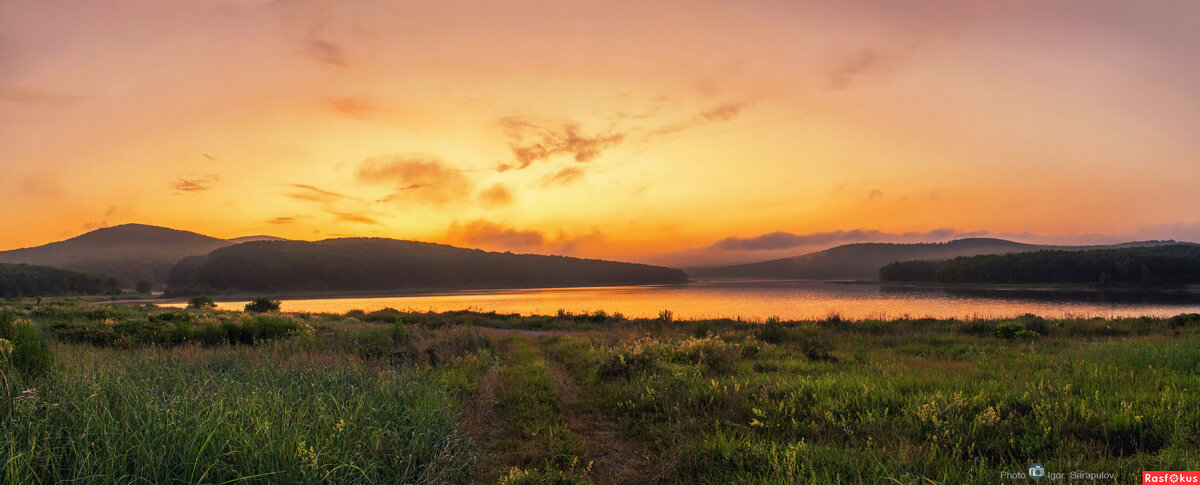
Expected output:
{"points": [[311, 26], [496, 195], [356, 218], [786, 240], [861, 64], [281, 220], [875, 194], [416, 179], [488, 235], [30, 95], [533, 141], [195, 185], [326, 53], [104, 220], [313, 194], [565, 176], [41, 186], [352, 107], [722, 112]]}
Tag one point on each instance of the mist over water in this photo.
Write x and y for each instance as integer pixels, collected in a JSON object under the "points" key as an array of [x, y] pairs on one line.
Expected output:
{"points": [[790, 300]]}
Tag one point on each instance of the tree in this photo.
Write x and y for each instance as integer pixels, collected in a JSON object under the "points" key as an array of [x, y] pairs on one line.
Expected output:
{"points": [[201, 302], [263, 304], [114, 286], [144, 286]]}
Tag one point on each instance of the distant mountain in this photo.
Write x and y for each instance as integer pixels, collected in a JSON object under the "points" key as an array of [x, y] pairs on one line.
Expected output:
{"points": [[244, 239], [862, 261], [373, 264], [129, 252]]}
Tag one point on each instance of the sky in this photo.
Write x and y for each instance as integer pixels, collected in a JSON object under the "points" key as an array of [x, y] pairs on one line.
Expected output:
{"points": [[673, 132]]}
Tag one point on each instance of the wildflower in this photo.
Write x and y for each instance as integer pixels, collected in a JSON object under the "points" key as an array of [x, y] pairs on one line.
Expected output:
{"points": [[341, 425], [5, 348]]}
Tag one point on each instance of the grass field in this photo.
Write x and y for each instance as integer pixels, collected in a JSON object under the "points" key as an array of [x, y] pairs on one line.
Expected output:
{"points": [[103, 394]]}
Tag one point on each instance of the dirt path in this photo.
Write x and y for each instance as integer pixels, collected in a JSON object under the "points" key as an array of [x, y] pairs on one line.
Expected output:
{"points": [[616, 460], [480, 425]]}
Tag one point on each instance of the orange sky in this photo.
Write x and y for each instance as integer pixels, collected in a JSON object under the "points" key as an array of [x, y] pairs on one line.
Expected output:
{"points": [[636, 130]]}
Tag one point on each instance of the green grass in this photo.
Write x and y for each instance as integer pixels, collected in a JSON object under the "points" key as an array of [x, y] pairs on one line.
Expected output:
{"points": [[140, 394]]}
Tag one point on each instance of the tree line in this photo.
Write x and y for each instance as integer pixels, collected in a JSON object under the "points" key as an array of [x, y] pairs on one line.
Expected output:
{"points": [[1167, 266], [25, 280]]}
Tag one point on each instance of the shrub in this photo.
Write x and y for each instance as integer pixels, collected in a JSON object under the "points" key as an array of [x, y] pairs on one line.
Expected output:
{"points": [[1015, 330], [1034, 323], [263, 304], [200, 302], [1184, 320], [772, 332], [666, 316]]}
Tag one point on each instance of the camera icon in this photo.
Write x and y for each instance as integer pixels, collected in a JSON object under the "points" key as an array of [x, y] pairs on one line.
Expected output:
{"points": [[1036, 471]]}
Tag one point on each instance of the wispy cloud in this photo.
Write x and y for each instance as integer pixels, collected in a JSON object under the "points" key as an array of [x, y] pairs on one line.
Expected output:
{"points": [[532, 141], [352, 107], [326, 53], [281, 220], [722, 112], [416, 179], [564, 176], [356, 218], [104, 220], [313, 194], [200, 184], [310, 25], [31, 95]]}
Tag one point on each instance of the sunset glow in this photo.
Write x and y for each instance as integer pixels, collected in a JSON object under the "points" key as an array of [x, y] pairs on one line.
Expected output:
{"points": [[672, 132]]}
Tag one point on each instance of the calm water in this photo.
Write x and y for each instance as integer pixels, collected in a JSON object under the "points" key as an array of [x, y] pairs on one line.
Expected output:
{"points": [[785, 299]]}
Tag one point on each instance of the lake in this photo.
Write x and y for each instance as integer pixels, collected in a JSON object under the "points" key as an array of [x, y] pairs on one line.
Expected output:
{"points": [[790, 300]]}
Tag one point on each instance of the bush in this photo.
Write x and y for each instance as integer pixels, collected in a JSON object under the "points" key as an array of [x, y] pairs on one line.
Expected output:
{"points": [[772, 332], [200, 302], [666, 316], [144, 286], [1184, 320], [1014, 330], [263, 304]]}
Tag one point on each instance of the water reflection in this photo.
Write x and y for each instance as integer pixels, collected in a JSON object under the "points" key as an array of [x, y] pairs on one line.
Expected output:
{"points": [[796, 300]]}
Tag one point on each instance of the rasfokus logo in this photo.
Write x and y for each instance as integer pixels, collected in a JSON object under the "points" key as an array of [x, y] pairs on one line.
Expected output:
{"points": [[1171, 477], [1036, 471]]}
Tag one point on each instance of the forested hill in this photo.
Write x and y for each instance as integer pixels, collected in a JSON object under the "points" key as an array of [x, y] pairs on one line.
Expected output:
{"points": [[860, 260], [1169, 266], [129, 252], [24, 280], [372, 264]]}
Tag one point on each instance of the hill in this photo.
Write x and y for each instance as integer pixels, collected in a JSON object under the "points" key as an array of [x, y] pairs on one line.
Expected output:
{"points": [[861, 260], [129, 252], [373, 264], [260, 237], [1167, 266], [23, 280]]}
